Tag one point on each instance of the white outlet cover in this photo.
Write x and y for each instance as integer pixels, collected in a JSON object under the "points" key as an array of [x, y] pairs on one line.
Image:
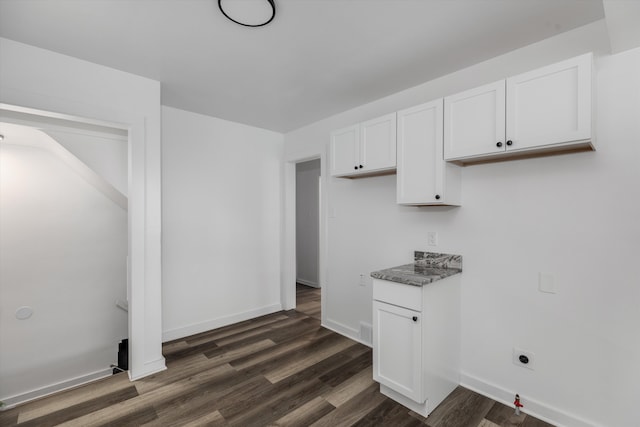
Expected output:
{"points": [[432, 238], [517, 352], [546, 283]]}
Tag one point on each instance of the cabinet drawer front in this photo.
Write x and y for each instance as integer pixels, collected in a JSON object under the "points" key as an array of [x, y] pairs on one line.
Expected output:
{"points": [[407, 296]]}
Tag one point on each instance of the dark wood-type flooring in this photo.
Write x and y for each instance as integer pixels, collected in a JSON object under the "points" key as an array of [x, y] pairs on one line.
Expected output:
{"points": [[282, 369]]}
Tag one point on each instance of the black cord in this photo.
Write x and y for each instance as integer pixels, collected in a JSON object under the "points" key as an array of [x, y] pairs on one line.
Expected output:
{"points": [[273, 15]]}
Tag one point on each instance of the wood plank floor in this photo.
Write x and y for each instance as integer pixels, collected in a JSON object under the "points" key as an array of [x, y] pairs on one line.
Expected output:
{"points": [[282, 369], [308, 300]]}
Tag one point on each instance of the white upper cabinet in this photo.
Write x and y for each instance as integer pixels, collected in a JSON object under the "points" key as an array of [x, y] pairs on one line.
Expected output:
{"points": [[551, 105], [423, 177], [367, 148], [378, 143], [345, 149], [474, 121], [545, 110]]}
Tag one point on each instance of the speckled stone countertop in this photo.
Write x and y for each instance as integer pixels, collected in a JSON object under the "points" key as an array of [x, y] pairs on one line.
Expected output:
{"points": [[428, 267]]}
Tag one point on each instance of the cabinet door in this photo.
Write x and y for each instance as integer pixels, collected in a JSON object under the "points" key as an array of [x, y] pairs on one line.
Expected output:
{"points": [[345, 150], [550, 105], [420, 161], [378, 143], [474, 122], [397, 349]]}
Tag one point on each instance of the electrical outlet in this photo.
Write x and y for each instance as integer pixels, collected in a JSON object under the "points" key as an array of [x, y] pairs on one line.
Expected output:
{"points": [[432, 238], [523, 358], [362, 280]]}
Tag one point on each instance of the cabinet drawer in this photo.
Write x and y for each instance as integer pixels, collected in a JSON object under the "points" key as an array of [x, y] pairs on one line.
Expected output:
{"points": [[399, 294]]}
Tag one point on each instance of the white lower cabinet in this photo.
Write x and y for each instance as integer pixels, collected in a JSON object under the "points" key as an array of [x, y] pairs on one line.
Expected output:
{"points": [[399, 349], [416, 341]]}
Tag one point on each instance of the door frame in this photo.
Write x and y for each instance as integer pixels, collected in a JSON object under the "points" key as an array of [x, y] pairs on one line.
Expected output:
{"points": [[143, 230], [288, 279]]}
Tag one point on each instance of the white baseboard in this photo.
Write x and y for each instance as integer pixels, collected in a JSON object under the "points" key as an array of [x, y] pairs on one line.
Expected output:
{"points": [[196, 328], [308, 283], [344, 330], [540, 410], [10, 402]]}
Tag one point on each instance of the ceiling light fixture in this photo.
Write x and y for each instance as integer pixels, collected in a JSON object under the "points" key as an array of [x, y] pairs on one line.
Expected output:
{"points": [[273, 15]]}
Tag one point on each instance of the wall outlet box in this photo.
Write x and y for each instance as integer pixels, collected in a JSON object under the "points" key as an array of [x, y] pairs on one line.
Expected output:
{"points": [[432, 238], [362, 281], [546, 283], [523, 358]]}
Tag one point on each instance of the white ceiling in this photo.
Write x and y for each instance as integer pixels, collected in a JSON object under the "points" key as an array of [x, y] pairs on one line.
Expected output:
{"points": [[317, 58]]}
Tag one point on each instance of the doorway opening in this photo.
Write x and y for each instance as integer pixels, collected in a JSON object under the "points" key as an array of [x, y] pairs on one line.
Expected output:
{"points": [[308, 214], [64, 251]]}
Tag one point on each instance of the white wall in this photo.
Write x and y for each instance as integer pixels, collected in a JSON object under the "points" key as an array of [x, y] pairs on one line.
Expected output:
{"points": [[44, 80], [572, 216], [307, 222], [63, 253], [221, 222]]}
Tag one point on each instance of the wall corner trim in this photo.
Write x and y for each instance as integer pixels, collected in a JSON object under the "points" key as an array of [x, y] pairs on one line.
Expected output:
{"points": [[344, 330]]}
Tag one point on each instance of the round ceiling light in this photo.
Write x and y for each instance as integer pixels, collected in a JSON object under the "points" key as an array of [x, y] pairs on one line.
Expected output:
{"points": [[241, 10]]}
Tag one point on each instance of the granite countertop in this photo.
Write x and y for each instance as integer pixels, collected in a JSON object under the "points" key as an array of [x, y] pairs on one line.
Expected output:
{"points": [[428, 267]]}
